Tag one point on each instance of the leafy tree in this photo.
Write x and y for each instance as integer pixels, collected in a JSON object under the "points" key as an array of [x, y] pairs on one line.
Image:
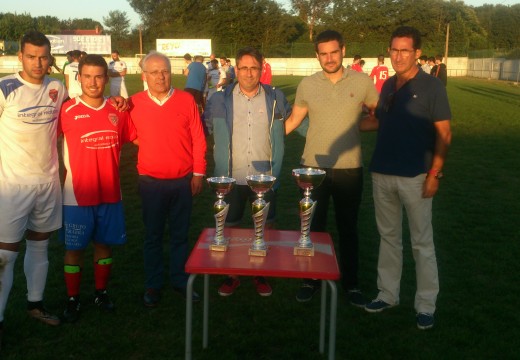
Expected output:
{"points": [[80, 24], [117, 25], [13, 26], [311, 12]]}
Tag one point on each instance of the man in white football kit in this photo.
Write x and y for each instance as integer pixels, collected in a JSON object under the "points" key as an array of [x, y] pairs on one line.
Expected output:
{"points": [[71, 75], [117, 72], [30, 195]]}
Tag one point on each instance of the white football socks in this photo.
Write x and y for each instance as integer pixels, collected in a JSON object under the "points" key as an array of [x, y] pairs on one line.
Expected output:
{"points": [[36, 266]]}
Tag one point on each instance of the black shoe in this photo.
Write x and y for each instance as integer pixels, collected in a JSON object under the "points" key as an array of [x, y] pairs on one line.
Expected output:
{"points": [[356, 298], [102, 300], [71, 313], [307, 290], [182, 292], [151, 297]]}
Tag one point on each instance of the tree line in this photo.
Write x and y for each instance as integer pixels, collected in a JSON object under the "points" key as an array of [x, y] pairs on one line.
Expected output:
{"points": [[268, 25]]}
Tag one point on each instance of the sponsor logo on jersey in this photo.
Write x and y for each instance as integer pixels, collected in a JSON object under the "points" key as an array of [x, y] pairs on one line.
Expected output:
{"points": [[81, 116], [38, 114], [102, 139], [53, 94], [113, 119]]}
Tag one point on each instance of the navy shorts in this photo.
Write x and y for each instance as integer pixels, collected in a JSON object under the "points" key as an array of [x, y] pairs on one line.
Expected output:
{"points": [[103, 224]]}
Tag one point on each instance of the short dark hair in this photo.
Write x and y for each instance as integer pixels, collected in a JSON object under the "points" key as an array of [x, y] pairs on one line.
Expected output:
{"points": [[438, 57], [408, 32], [251, 51], [93, 60], [357, 57], [75, 54], [35, 38], [187, 56], [115, 52], [380, 58], [423, 58], [431, 58], [329, 35]]}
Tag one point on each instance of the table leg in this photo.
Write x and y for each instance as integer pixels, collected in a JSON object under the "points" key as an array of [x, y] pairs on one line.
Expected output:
{"points": [[205, 313], [332, 320], [323, 309], [189, 315]]}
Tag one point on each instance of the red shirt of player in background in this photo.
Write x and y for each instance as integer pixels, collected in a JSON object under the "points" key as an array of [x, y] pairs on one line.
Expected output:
{"points": [[379, 73]]}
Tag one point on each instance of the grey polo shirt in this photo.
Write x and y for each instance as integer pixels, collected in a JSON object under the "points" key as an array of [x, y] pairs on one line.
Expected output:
{"points": [[333, 139], [251, 149]]}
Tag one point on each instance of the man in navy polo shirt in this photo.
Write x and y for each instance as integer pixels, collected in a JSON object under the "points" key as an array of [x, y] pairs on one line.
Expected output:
{"points": [[414, 135]]}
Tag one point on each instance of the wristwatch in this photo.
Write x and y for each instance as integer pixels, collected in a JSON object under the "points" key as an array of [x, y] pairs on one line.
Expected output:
{"points": [[436, 173]]}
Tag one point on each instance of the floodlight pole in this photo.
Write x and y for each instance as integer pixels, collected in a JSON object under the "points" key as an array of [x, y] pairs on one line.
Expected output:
{"points": [[140, 39], [447, 43]]}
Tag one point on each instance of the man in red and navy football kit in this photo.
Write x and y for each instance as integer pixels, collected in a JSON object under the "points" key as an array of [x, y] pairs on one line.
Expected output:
{"points": [[93, 134], [379, 73]]}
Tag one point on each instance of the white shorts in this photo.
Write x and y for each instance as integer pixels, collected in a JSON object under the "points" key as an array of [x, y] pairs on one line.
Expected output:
{"points": [[33, 207]]}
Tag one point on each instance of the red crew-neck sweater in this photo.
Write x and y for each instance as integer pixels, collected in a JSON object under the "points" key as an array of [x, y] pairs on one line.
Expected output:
{"points": [[171, 139]]}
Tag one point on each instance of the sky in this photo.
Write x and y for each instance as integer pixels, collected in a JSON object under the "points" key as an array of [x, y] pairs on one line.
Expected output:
{"points": [[97, 9]]}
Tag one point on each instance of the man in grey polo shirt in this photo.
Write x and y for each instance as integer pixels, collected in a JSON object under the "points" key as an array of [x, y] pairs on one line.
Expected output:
{"points": [[333, 99], [247, 123]]}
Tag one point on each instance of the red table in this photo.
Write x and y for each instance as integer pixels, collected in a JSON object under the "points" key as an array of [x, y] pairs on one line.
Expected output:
{"points": [[279, 262]]}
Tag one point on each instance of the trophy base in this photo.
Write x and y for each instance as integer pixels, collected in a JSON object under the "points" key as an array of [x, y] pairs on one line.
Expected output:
{"points": [[299, 251], [218, 247], [253, 252]]}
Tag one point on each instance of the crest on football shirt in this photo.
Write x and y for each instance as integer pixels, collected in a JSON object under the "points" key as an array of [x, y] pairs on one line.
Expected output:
{"points": [[113, 118], [53, 94]]}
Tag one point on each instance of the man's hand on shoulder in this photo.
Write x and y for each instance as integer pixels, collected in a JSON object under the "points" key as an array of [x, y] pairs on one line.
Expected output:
{"points": [[119, 102]]}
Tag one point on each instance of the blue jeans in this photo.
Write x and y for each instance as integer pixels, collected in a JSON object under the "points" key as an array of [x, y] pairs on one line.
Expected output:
{"points": [[165, 200]]}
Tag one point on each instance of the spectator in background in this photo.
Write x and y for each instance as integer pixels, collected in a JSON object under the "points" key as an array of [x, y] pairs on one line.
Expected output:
{"points": [[116, 72], [379, 73], [71, 75], [68, 55], [431, 63], [440, 71], [267, 75], [231, 72], [216, 79], [355, 64], [423, 62], [195, 72]]}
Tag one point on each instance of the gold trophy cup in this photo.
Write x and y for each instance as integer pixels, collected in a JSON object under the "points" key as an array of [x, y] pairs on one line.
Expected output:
{"points": [[221, 185], [307, 179], [260, 184]]}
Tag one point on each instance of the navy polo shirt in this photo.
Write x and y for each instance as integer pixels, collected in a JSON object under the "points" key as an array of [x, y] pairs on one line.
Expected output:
{"points": [[406, 135]]}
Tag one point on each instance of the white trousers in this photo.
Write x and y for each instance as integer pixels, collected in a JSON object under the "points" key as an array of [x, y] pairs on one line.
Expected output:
{"points": [[391, 194]]}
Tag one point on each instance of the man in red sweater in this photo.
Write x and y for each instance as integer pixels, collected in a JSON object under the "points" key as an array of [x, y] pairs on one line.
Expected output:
{"points": [[171, 165]]}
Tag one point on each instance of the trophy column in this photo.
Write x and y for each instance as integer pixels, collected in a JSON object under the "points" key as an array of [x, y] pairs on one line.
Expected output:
{"points": [[307, 179], [260, 184], [222, 186]]}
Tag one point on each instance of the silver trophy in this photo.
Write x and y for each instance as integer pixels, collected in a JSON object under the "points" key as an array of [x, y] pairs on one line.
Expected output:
{"points": [[221, 185], [260, 184], [307, 179]]}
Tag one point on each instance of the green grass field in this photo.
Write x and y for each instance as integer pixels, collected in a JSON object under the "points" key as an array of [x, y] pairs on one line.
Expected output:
{"points": [[476, 225]]}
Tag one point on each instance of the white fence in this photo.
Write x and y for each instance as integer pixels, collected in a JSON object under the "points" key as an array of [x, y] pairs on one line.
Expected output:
{"points": [[491, 68]]}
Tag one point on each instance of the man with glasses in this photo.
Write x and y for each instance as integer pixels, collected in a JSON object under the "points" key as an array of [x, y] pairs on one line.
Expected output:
{"points": [[333, 99], [247, 123], [171, 165], [413, 115]]}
